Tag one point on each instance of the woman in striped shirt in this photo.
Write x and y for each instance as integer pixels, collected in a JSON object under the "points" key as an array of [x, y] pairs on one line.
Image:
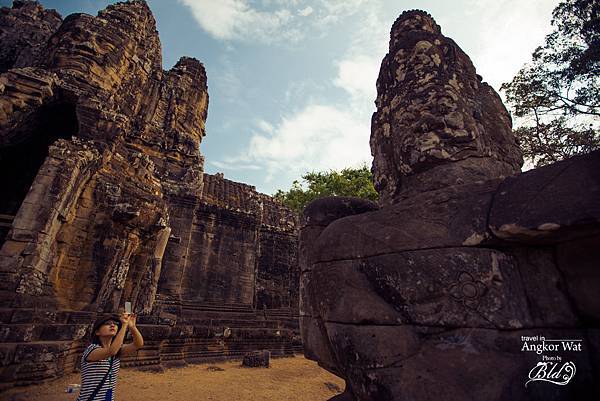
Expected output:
{"points": [[101, 360]]}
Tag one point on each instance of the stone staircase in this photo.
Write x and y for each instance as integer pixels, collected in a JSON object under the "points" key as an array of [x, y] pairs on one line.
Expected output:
{"points": [[40, 344]]}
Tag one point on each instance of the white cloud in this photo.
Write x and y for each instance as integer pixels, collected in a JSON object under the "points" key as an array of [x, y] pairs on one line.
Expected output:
{"points": [[234, 165], [507, 33], [331, 12], [237, 20], [264, 126], [281, 21], [342, 7], [358, 75], [359, 67], [319, 137], [305, 12], [295, 90]]}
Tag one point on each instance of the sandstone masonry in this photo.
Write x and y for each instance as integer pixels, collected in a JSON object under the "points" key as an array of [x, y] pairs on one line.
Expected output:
{"points": [[105, 201]]}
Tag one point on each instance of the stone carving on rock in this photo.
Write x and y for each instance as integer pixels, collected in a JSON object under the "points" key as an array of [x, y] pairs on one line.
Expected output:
{"points": [[114, 279], [428, 294], [146, 295], [452, 128]]}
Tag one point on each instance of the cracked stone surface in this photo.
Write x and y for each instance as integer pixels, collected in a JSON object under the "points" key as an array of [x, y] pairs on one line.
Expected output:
{"points": [[426, 295]]}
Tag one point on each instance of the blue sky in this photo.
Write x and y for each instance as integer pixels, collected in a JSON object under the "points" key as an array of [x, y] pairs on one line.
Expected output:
{"points": [[292, 82]]}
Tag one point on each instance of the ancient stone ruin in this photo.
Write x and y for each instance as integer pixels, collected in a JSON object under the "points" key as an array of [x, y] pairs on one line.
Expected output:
{"points": [[105, 201], [427, 296]]}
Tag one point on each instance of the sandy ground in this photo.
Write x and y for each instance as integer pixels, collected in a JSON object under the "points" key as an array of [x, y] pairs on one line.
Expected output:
{"points": [[288, 379]]}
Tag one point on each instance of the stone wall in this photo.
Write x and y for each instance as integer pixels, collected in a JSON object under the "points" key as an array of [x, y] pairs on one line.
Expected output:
{"points": [[108, 202], [251, 240]]}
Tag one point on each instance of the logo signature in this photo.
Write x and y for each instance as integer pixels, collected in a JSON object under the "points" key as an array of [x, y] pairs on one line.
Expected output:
{"points": [[552, 372]]}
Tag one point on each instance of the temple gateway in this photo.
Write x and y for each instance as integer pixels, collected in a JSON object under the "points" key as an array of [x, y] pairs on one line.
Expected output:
{"points": [[104, 200]]}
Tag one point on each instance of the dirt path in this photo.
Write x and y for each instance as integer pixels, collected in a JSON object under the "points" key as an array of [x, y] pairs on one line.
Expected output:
{"points": [[288, 379]]}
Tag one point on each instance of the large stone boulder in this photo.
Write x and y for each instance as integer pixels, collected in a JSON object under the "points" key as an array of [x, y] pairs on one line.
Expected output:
{"points": [[443, 290]]}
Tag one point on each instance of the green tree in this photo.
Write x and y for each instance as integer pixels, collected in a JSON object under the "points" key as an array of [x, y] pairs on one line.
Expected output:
{"points": [[556, 97], [357, 182]]}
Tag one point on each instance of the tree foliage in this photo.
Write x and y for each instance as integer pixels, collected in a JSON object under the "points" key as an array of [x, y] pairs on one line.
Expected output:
{"points": [[355, 182], [556, 97]]}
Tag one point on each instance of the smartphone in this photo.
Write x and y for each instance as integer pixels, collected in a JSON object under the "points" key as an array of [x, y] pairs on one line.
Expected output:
{"points": [[128, 307]]}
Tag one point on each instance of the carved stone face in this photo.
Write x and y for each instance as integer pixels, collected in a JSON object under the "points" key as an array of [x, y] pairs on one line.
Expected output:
{"points": [[429, 121], [82, 47], [433, 109]]}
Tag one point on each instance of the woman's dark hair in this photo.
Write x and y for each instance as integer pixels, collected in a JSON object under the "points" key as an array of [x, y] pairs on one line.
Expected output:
{"points": [[99, 322]]}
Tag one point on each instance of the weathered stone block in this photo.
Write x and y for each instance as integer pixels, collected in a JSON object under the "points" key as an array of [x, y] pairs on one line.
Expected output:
{"points": [[257, 359], [456, 216], [20, 333], [518, 215]]}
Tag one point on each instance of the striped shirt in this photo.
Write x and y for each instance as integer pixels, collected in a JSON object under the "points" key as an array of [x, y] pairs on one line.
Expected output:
{"points": [[92, 373]]}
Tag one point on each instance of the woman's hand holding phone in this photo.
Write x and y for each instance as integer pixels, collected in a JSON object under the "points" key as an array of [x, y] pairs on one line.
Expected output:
{"points": [[125, 318], [132, 318]]}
